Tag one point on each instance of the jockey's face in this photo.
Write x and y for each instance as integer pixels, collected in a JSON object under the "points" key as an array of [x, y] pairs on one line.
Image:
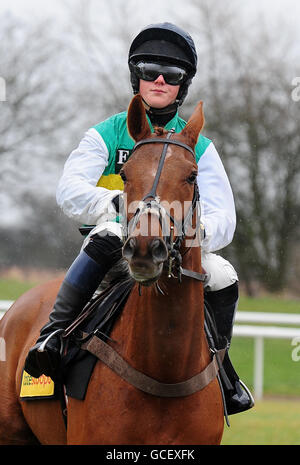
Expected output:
{"points": [[158, 94]]}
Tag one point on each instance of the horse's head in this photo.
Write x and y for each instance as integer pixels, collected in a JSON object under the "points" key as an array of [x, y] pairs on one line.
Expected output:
{"points": [[160, 187]]}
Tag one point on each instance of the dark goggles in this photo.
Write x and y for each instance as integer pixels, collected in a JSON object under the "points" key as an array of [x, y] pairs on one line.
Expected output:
{"points": [[173, 75]]}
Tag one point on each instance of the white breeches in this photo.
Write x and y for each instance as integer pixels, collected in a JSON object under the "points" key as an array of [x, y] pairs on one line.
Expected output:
{"points": [[220, 272]]}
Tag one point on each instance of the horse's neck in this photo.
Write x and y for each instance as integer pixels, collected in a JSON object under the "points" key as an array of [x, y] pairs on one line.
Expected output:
{"points": [[163, 335]]}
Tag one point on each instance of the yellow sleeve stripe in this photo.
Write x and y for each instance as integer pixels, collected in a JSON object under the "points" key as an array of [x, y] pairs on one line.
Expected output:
{"points": [[111, 182]]}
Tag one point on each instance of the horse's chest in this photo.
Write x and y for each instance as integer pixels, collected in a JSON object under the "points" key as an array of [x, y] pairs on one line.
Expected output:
{"points": [[123, 415]]}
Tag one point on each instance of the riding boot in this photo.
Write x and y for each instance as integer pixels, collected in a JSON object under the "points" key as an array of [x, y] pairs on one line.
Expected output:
{"points": [[81, 281], [222, 305]]}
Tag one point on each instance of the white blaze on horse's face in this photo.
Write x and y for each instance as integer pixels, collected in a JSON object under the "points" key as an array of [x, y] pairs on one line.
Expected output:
{"points": [[169, 152]]}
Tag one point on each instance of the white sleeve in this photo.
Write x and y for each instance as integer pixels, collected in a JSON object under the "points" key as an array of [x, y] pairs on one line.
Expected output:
{"points": [[217, 203], [77, 192]]}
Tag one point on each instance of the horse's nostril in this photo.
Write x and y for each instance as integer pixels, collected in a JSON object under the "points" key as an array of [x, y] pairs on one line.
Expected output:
{"points": [[159, 251], [129, 248]]}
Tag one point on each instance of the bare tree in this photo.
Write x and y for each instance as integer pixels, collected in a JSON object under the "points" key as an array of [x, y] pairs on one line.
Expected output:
{"points": [[255, 125], [37, 109], [44, 115]]}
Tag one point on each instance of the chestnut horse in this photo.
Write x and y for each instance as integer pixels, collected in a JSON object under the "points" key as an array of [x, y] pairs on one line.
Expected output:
{"points": [[160, 332]]}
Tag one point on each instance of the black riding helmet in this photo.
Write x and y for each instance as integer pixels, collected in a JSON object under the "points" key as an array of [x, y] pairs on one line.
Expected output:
{"points": [[164, 43]]}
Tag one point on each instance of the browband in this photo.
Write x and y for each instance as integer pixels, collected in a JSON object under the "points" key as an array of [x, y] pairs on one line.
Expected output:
{"points": [[162, 140]]}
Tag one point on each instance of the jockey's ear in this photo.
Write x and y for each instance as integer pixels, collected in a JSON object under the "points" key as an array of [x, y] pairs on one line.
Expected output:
{"points": [[137, 123], [194, 125]]}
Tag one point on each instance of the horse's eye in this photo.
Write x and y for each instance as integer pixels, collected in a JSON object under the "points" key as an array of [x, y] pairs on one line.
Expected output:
{"points": [[123, 176], [192, 178]]}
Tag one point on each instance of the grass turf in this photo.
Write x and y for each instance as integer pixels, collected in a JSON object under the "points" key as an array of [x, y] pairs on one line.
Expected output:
{"points": [[268, 423]]}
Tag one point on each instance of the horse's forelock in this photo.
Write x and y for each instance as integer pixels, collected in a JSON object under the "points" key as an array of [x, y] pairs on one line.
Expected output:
{"points": [[159, 131]]}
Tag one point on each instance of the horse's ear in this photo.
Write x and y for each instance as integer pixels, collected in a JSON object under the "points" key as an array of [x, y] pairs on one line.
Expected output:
{"points": [[194, 125], [138, 126]]}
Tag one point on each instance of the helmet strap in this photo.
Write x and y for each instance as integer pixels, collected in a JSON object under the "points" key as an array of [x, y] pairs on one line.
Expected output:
{"points": [[169, 110]]}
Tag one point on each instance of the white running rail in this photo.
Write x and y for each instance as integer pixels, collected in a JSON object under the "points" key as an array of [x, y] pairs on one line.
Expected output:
{"points": [[259, 333]]}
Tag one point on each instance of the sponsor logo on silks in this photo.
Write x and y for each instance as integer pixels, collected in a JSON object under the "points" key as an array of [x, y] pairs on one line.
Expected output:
{"points": [[33, 388]]}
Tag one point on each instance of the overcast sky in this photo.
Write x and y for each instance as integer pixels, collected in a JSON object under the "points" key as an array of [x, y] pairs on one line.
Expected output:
{"points": [[271, 8]]}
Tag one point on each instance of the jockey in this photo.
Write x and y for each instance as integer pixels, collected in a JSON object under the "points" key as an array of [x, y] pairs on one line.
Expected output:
{"points": [[162, 63]]}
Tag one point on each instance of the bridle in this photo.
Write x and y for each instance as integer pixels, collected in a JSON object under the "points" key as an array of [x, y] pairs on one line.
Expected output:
{"points": [[150, 204]]}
